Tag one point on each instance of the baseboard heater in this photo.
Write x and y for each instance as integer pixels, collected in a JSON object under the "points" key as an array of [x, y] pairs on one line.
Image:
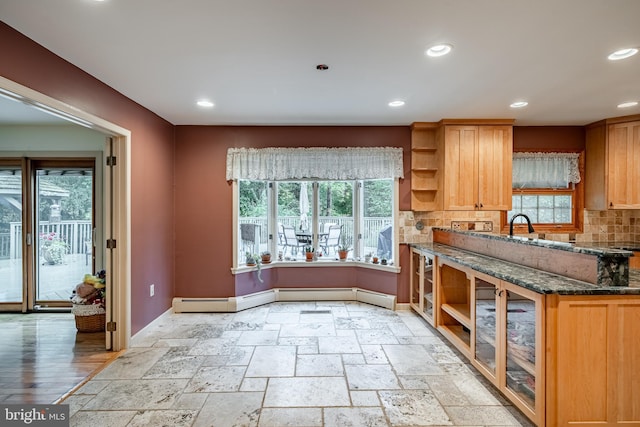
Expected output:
{"points": [[234, 304]]}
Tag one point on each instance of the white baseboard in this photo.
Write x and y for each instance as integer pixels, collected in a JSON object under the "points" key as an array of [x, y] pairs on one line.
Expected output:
{"points": [[203, 305], [234, 304], [153, 323]]}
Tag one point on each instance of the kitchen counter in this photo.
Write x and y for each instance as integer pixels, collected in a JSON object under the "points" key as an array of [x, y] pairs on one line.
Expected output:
{"points": [[530, 278], [600, 266], [627, 246]]}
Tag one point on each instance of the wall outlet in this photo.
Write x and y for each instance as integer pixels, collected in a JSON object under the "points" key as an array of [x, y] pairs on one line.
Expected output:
{"points": [[152, 290]]}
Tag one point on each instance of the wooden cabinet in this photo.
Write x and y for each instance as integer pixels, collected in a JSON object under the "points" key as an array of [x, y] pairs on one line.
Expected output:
{"points": [[593, 359], [421, 286], [461, 165], [612, 178], [508, 341], [477, 172], [563, 360]]}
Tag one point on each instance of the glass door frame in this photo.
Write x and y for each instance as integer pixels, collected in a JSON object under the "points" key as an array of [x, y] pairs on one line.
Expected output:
{"points": [[33, 165], [19, 163]]}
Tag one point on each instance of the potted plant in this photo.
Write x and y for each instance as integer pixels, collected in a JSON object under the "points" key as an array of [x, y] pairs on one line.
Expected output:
{"points": [[367, 257], [383, 261], [251, 259], [343, 248], [266, 257], [309, 251], [254, 260], [52, 248]]}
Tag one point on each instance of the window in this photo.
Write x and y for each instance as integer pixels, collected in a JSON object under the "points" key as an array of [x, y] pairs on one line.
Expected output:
{"points": [[323, 215], [350, 201], [547, 188]]}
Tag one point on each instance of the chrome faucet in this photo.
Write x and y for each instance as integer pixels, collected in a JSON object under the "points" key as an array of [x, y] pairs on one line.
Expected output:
{"points": [[516, 216]]}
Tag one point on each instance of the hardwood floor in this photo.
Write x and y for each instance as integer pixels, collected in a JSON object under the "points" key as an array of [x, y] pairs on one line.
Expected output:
{"points": [[43, 357]]}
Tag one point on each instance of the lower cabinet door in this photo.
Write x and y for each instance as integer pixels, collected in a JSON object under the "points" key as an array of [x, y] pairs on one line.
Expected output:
{"points": [[522, 354], [486, 326]]}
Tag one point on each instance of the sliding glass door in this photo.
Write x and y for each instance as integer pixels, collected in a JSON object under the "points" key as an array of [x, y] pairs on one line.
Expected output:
{"points": [[46, 231], [11, 266], [64, 224]]}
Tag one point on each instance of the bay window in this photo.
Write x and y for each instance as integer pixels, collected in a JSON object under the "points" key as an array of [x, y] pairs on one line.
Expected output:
{"points": [[289, 200]]}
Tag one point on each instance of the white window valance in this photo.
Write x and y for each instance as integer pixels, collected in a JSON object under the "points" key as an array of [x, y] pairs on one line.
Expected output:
{"points": [[315, 162], [545, 170]]}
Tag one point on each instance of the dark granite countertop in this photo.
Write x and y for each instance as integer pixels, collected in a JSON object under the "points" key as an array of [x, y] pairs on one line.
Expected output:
{"points": [[598, 249], [627, 246], [529, 278]]}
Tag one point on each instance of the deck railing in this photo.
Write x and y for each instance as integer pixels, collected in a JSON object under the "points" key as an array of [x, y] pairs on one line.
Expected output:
{"points": [[75, 233], [370, 231]]}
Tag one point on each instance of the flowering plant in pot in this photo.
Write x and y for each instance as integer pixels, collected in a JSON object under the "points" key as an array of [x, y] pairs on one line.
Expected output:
{"points": [[52, 248]]}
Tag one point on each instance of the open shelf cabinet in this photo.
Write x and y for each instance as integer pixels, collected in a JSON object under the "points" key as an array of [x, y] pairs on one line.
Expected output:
{"points": [[454, 305]]}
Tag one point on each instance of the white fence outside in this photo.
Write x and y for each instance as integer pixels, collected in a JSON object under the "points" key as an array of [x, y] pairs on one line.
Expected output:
{"points": [[370, 231], [75, 233]]}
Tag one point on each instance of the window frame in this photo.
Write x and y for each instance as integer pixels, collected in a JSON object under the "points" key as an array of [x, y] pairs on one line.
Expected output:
{"points": [[357, 254], [577, 211]]}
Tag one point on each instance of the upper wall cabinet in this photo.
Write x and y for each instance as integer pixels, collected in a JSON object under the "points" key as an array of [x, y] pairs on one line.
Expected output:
{"points": [[477, 167], [461, 165], [612, 178]]}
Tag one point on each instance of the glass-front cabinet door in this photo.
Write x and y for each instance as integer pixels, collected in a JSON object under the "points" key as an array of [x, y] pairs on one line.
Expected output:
{"points": [[523, 344], [428, 293], [486, 325], [422, 285]]}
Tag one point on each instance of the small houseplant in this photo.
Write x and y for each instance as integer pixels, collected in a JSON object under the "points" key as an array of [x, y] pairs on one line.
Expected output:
{"points": [[254, 260], [251, 259], [343, 248], [266, 257], [309, 251]]}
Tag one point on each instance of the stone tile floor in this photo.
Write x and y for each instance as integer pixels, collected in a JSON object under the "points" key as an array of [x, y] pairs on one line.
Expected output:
{"points": [[291, 364]]}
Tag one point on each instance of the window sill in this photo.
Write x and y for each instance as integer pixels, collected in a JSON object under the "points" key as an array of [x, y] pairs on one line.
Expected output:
{"points": [[318, 264]]}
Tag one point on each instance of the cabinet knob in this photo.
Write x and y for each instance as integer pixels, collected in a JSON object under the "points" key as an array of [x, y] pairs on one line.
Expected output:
{"points": [[610, 204], [481, 205], [476, 206]]}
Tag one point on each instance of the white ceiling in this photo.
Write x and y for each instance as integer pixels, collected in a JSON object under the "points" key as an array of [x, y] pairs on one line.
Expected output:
{"points": [[256, 59]]}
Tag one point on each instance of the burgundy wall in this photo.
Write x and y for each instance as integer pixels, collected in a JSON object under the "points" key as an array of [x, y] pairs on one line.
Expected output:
{"points": [[548, 138], [199, 213], [28, 63], [203, 202]]}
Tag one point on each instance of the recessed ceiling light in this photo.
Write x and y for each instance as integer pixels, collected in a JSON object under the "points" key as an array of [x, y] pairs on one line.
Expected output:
{"points": [[628, 104], [205, 103], [622, 53], [397, 103], [519, 104], [439, 49]]}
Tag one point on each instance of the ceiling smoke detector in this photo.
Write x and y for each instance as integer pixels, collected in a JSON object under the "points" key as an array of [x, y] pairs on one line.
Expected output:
{"points": [[322, 67]]}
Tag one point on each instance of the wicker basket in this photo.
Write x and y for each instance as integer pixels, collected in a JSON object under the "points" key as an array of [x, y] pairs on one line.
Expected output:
{"points": [[94, 323], [89, 318]]}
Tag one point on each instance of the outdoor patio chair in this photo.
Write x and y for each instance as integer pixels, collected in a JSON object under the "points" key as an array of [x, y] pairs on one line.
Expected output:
{"points": [[290, 240], [332, 240], [250, 236]]}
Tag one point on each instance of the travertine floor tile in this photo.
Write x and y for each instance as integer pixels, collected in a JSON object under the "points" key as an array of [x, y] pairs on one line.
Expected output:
{"points": [[307, 391], [291, 364]]}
